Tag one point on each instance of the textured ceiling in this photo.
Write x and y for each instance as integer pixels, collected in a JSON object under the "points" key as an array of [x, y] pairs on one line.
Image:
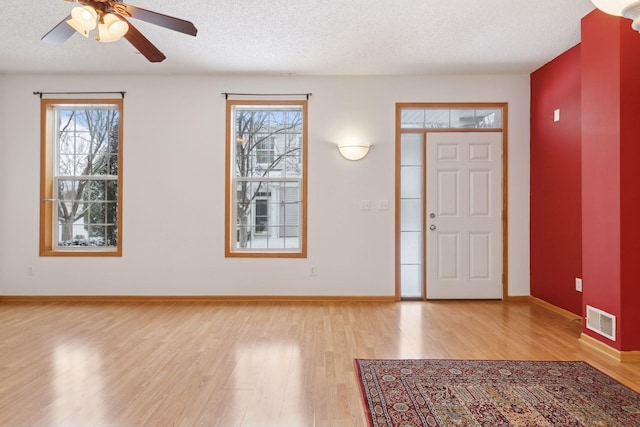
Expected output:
{"points": [[307, 37]]}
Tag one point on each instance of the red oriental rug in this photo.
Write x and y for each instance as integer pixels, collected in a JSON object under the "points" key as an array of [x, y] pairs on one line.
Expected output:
{"points": [[411, 393]]}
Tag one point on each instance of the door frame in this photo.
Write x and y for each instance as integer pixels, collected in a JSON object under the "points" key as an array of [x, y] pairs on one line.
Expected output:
{"points": [[505, 230]]}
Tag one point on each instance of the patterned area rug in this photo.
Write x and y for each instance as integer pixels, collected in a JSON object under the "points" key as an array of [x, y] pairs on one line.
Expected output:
{"points": [[410, 393]]}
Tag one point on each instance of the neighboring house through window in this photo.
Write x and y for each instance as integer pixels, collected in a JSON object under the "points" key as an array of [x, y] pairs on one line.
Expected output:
{"points": [[81, 184], [266, 178]]}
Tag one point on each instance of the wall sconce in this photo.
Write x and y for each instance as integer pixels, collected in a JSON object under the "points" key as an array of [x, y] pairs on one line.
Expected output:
{"points": [[354, 151], [627, 8]]}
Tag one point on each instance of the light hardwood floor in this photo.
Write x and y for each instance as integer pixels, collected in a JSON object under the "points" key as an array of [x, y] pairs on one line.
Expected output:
{"points": [[248, 363]]}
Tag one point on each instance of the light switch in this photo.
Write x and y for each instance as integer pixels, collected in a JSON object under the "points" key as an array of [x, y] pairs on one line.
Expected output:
{"points": [[556, 115]]}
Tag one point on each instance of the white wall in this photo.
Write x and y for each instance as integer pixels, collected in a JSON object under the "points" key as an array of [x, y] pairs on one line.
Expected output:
{"points": [[173, 230]]}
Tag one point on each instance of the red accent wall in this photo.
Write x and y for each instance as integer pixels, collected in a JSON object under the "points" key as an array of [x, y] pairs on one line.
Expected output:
{"points": [[601, 164], [611, 173], [585, 177], [630, 187], [556, 205]]}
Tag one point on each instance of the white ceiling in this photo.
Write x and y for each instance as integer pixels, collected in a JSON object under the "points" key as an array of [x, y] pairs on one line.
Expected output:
{"points": [[307, 37]]}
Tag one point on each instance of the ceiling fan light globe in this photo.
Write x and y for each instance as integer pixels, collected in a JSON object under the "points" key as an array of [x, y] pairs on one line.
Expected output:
{"points": [[78, 28], [112, 28], [84, 17]]}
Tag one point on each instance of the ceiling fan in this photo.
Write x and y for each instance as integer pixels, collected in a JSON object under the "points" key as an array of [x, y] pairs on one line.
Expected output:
{"points": [[110, 16]]}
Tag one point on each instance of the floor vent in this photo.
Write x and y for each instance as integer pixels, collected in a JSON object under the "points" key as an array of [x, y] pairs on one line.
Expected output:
{"points": [[601, 322]]}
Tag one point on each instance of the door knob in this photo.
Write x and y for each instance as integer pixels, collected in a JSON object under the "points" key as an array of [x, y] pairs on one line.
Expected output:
{"points": [[432, 215], [432, 227]]}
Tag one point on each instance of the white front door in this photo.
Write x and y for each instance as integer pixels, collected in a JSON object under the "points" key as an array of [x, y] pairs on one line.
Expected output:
{"points": [[463, 223]]}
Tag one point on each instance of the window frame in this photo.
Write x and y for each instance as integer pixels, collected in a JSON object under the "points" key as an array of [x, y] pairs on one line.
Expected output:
{"points": [[48, 177], [230, 185]]}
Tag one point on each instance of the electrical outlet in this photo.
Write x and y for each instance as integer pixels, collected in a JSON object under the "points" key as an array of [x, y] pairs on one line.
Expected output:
{"points": [[365, 205], [30, 271], [313, 270], [383, 205], [578, 284]]}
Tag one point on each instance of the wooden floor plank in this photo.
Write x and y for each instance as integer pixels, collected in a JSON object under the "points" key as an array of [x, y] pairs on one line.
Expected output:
{"points": [[248, 364]]}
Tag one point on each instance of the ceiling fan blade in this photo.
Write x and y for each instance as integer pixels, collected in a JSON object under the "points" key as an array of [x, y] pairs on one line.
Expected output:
{"points": [[143, 45], [156, 18], [60, 33]]}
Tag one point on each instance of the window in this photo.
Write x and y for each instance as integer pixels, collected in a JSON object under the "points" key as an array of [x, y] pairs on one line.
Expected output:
{"points": [[266, 179], [80, 184], [445, 117]]}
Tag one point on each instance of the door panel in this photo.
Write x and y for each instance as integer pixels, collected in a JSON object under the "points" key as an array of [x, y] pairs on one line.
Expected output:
{"points": [[448, 189], [464, 215], [448, 253], [480, 255], [480, 193]]}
